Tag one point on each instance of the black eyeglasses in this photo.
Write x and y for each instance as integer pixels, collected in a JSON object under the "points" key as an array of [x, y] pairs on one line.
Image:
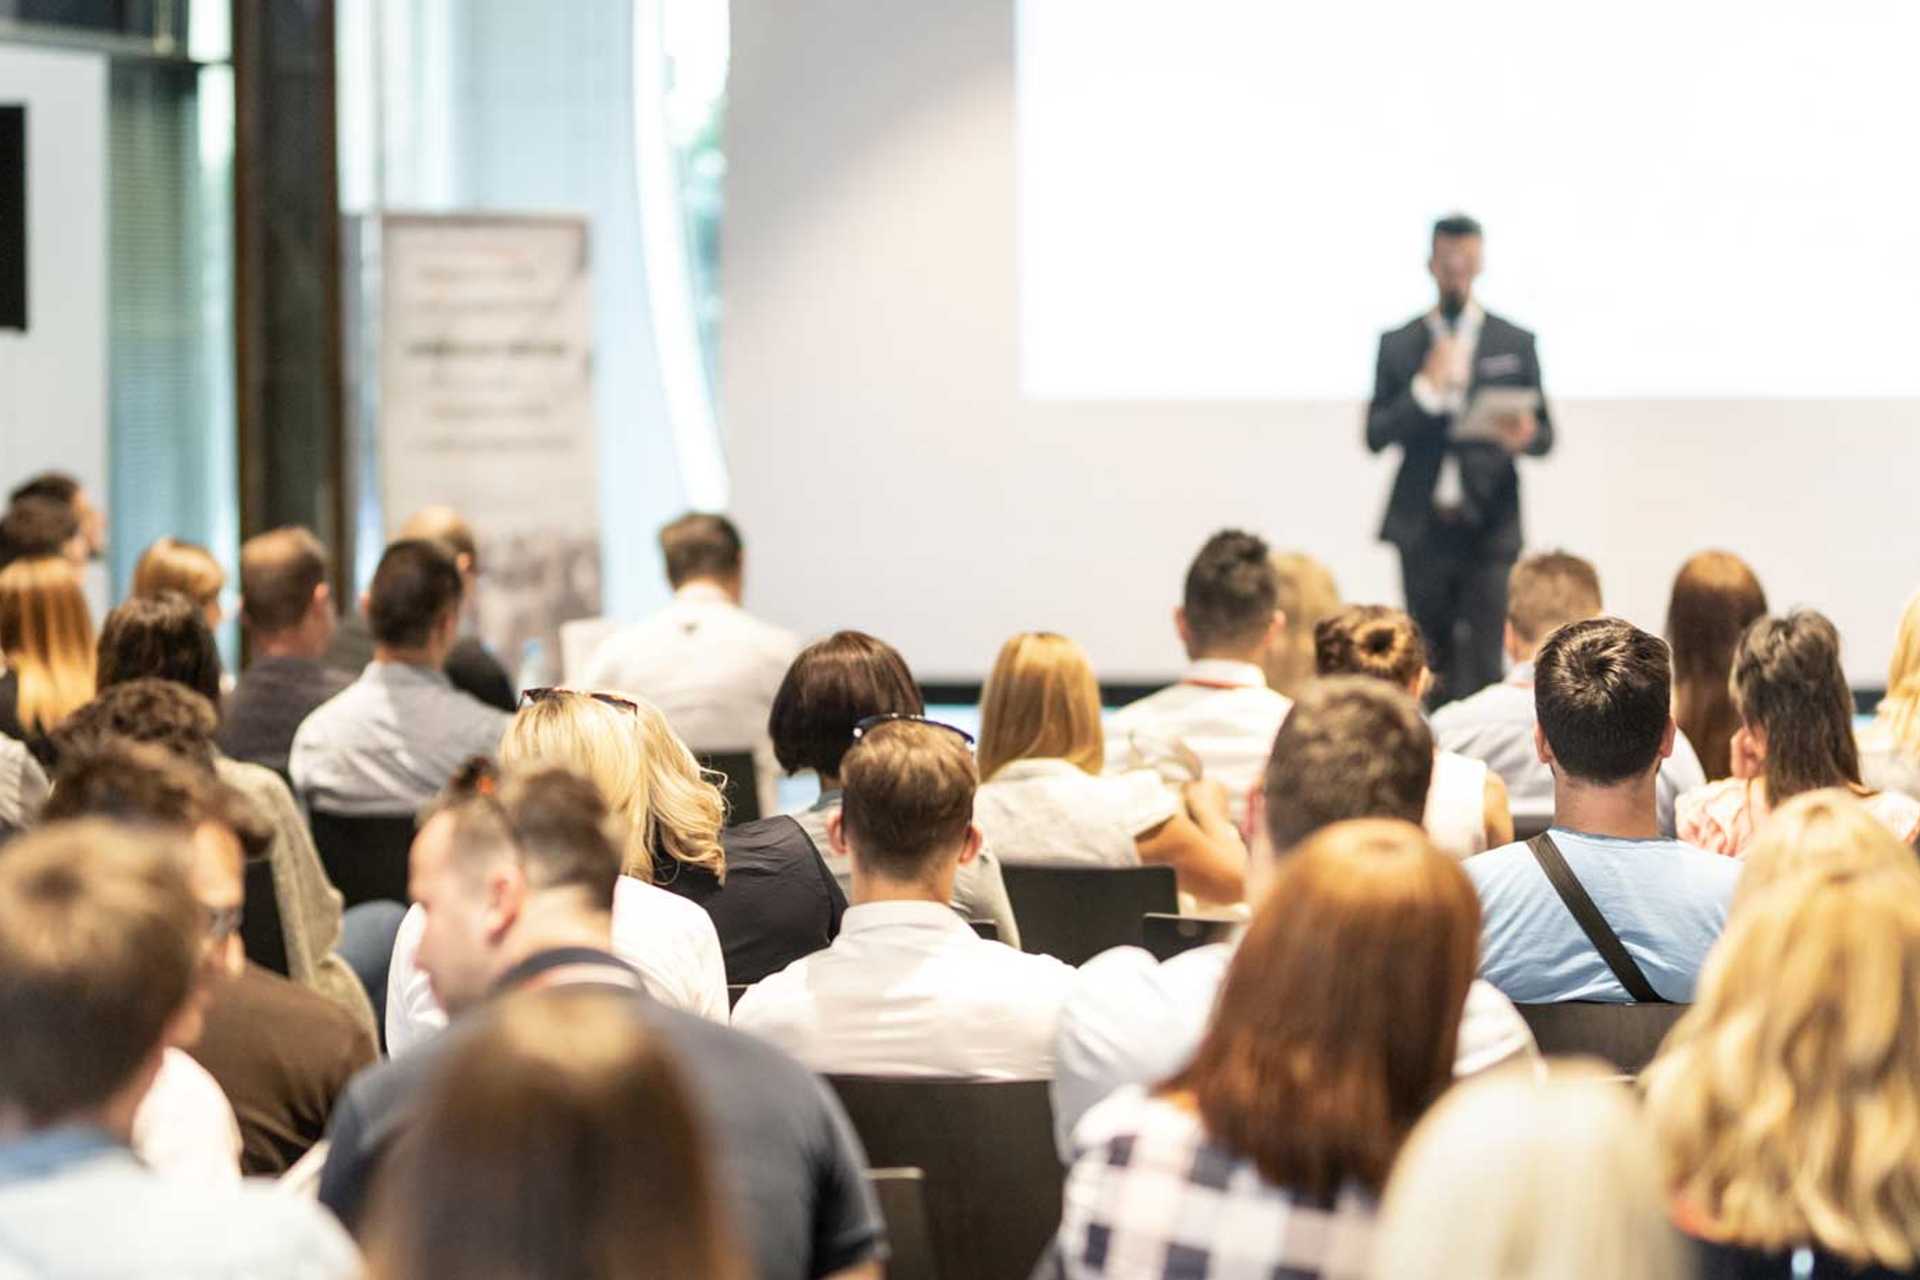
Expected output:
{"points": [[861, 729], [530, 696]]}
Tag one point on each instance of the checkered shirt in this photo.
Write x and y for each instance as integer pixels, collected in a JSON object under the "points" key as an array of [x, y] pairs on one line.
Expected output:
{"points": [[1151, 1197]]}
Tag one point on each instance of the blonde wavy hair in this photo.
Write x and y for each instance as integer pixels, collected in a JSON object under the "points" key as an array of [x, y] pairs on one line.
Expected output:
{"points": [[46, 636], [1566, 1185], [1788, 1099], [654, 787], [1824, 830], [1899, 711], [1041, 701]]}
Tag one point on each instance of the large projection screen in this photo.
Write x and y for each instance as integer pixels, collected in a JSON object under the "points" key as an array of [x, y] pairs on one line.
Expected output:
{"points": [[1023, 301]]}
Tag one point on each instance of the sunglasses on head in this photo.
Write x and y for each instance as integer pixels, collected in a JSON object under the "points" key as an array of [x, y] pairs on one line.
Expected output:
{"points": [[863, 727], [530, 696]]}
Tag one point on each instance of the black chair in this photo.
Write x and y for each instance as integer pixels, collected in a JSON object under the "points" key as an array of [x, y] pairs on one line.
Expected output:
{"points": [[1167, 936], [262, 932], [1075, 913], [1626, 1035], [986, 1147], [366, 858], [734, 991], [902, 1194], [739, 786], [986, 929]]}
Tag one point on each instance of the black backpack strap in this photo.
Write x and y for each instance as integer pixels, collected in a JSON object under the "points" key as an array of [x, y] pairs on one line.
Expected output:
{"points": [[1591, 922]]}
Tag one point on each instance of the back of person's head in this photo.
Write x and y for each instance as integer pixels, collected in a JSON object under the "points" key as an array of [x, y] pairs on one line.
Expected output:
{"points": [[100, 937], [1788, 1098], [46, 637], [163, 713], [186, 567], [1371, 640], [160, 637], [1547, 591], [1601, 693], [416, 590], [446, 526], [908, 798], [558, 1140], [548, 821], [36, 526], [145, 785], [1824, 830], [699, 545], [1304, 593], [833, 685], [1789, 687], [280, 573], [1230, 596], [662, 802], [1337, 1021], [55, 486], [1352, 747], [1566, 1185], [1041, 701], [1716, 597], [1900, 709]]}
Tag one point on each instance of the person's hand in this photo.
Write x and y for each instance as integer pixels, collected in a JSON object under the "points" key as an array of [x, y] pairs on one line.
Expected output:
{"points": [[1517, 430], [1749, 761], [1206, 801], [1442, 369]]}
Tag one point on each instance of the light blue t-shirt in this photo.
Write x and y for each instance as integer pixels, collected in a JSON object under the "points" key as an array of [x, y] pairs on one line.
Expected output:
{"points": [[1666, 900]]}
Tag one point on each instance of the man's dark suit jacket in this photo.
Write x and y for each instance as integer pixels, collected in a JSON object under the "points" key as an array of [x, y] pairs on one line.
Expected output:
{"points": [[1504, 358]]}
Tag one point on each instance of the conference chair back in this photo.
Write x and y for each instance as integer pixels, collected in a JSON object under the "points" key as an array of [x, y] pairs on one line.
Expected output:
{"points": [[902, 1194], [1626, 1035], [986, 929], [738, 783], [1075, 913], [992, 1178], [1167, 936], [365, 857], [263, 933]]}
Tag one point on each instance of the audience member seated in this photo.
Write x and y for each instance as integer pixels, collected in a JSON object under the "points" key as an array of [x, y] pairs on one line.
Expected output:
{"points": [[1544, 593], [1304, 593], [46, 643], [1336, 1026], [1353, 747], [1826, 830], [23, 788], [1467, 802], [186, 567], [389, 741], [1566, 1183], [1603, 697], [1795, 735], [1716, 597], [559, 1140], [88, 540], [34, 526], [1786, 1098], [288, 611], [101, 947], [519, 893], [908, 988], [829, 690], [1890, 746], [1221, 713], [707, 663], [1043, 800], [768, 894]]}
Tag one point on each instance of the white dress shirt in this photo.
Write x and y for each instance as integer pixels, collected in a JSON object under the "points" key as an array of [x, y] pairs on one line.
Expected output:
{"points": [[185, 1127], [1221, 710], [1051, 812], [908, 989], [711, 667], [1131, 1020], [1447, 489], [670, 940]]}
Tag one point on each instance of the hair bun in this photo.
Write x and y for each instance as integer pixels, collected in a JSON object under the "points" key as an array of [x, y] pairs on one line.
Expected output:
{"points": [[1378, 640]]}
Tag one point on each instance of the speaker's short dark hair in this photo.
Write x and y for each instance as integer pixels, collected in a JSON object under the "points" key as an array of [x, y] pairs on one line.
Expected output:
{"points": [[163, 637], [1231, 591], [1602, 691], [700, 544], [1352, 747], [833, 685], [1455, 225], [416, 584]]}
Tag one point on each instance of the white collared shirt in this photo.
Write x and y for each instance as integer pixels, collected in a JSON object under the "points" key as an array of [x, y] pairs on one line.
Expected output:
{"points": [[908, 989], [1051, 812], [1222, 710], [711, 667], [1447, 490], [185, 1126]]}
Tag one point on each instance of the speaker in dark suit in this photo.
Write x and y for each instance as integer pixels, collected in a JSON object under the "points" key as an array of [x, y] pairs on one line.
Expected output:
{"points": [[1454, 512]]}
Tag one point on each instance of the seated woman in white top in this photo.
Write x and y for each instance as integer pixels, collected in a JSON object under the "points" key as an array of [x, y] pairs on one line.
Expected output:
{"points": [[1043, 800], [670, 940], [1890, 746], [1467, 810]]}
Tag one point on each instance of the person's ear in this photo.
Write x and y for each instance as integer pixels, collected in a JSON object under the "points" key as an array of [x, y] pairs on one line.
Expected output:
{"points": [[837, 834], [1180, 628], [1540, 747], [1276, 632], [1667, 737], [506, 890], [1510, 641], [366, 602], [322, 601], [970, 847], [1422, 685]]}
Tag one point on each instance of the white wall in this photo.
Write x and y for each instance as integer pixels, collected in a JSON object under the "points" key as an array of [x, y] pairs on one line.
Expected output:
{"points": [[889, 475]]}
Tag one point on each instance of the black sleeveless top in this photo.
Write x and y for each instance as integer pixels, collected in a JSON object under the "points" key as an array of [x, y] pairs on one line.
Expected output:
{"points": [[779, 901]]}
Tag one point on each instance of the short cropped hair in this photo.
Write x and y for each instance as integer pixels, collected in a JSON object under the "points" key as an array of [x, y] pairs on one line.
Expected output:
{"points": [[552, 822], [36, 526], [162, 637], [1370, 640], [700, 545], [279, 572], [907, 796], [1547, 591], [416, 584], [1231, 591], [145, 785], [1352, 747], [1602, 691], [161, 712], [833, 685], [1456, 225], [446, 526], [100, 940]]}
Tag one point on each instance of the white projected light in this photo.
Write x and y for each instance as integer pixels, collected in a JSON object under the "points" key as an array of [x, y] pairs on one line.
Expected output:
{"points": [[1229, 198]]}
